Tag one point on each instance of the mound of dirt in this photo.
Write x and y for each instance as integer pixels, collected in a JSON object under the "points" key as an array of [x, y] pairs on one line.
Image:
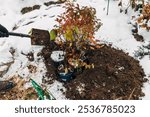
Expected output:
{"points": [[115, 76]]}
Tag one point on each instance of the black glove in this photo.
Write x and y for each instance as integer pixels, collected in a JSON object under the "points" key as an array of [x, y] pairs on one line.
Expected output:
{"points": [[3, 31]]}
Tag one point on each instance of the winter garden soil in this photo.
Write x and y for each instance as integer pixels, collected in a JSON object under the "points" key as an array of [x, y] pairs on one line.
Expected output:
{"points": [[116, 76]]}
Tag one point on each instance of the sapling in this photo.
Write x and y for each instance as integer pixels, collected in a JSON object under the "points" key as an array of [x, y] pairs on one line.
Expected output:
{"points": [[75, 34]]}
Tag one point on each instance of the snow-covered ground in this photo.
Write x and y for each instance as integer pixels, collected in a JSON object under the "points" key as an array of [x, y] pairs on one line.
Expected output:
{"points": [[115, 30]]}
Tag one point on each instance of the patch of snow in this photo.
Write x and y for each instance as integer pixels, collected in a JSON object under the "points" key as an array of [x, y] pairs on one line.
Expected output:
{"points": [[145, 62], [4, 59], [56, 89], [3, 68], [57, 55]]}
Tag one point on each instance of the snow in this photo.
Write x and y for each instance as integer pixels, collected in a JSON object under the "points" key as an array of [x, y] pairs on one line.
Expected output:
{"points": [[55, 89], [116, 29], [57, 56]]}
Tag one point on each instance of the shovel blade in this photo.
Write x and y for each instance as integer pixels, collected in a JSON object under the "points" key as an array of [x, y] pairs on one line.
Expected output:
{"points": [[40, 37]]}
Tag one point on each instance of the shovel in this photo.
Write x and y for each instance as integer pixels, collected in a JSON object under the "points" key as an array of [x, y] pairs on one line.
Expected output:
{"points": [[38, 36]]}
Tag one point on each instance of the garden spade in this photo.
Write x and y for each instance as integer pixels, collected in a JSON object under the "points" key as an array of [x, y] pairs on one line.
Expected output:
{"points": [[38, 36]]}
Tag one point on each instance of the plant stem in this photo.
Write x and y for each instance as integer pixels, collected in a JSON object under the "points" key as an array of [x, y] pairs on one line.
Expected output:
{"points": [[108, 6]]}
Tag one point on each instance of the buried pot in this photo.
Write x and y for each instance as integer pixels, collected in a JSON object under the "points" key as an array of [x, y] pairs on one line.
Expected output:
{"points": [[58, 58], [64, 73], [65, 76], [67, 70], [58, 61]]}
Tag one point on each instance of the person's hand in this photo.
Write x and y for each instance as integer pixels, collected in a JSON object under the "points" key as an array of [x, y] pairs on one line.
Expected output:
{"points": [[3, 31]]}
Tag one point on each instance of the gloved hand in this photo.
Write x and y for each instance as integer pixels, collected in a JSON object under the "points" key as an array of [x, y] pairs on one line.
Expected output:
{"points": [[3, 31]]}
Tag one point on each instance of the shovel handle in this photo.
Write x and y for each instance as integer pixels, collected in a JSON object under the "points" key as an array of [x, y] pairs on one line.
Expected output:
{"points": [[19, 34]]}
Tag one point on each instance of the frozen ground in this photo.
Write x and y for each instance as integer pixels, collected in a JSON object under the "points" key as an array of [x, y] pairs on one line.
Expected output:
{"points": [[115, 30]]}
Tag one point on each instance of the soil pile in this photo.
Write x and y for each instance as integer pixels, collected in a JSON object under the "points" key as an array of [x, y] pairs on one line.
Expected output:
{"points": [[116, 75]]}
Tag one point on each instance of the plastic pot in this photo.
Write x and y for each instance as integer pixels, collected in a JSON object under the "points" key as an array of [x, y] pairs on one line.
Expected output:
{"points": [[57, 63], [58, 58], [65, 76]]}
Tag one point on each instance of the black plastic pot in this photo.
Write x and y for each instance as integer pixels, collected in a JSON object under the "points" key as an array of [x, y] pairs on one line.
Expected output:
{"points": [[65, 77], [58, 63], [57, 58]]}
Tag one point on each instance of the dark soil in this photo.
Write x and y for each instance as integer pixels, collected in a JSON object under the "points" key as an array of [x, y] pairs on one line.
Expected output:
{"points": [[40, 37], [29, 9], [51, 74], [54, 2], [138, 37], [29, 55], [116, 76]]}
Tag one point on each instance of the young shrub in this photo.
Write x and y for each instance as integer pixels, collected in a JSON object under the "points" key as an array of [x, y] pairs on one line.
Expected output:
{"points": [[75, 34]]}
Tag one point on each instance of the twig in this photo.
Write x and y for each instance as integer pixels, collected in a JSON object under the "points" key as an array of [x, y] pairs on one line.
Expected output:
{"points": [[108, 6], [130, 96]]}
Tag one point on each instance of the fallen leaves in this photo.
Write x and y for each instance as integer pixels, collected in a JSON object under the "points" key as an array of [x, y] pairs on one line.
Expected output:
{"points": [[145, 17], [19, 92]]}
